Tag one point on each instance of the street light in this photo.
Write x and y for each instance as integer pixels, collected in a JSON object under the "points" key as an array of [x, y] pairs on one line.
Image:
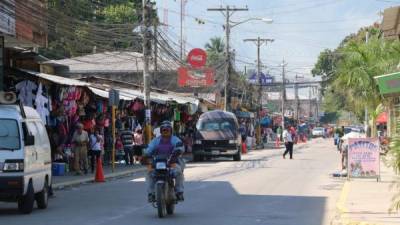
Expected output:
{"points": [[265, 20]]}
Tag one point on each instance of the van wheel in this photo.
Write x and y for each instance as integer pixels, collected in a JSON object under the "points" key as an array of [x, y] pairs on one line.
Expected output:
{"points": [[25, 203], [42, 197], [237, 156], [197, 158]]}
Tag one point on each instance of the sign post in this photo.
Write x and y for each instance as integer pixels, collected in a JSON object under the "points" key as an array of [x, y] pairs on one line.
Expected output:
{"points": [[113, 101], [363, 158]]}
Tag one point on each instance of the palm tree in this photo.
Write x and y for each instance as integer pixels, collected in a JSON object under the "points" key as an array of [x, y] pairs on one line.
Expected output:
{"points": [[215, 49]]}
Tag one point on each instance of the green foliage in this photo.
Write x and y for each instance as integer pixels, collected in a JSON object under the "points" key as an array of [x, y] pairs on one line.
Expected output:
{"points": [[76, 27], [215, 51], [350, 69]]}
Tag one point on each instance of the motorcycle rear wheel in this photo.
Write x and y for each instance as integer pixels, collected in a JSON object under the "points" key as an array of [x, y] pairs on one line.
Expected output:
{"points": [[170, 208], [161, 205]]}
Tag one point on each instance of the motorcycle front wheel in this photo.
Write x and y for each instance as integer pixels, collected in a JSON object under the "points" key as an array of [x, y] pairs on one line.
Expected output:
{"points": [[161, 204]]}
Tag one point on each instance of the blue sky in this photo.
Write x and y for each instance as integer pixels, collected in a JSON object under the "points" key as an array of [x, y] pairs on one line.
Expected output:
{"points": [[301, 28]]}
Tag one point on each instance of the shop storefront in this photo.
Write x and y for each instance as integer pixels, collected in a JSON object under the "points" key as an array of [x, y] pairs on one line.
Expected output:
{"points": [[63, 103], [389, 88]]}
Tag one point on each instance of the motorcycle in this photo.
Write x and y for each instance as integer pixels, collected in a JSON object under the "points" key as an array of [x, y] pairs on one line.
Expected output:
{"points": [[165, 198]]}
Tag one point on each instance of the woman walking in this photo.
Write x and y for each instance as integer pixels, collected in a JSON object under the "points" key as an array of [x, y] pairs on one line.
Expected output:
{"points": [[288, 139]]}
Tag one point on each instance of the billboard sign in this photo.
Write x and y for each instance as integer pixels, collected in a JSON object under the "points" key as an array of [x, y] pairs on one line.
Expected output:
{"points": [[363, 158], [264, 79], [195, 77]]}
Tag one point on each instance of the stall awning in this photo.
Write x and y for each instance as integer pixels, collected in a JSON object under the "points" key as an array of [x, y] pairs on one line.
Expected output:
{"points": [[125, 94], [389, 84]]}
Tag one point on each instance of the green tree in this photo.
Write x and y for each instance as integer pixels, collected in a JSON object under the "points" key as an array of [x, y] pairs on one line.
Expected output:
{"points": [[215, 51], [76, 27]]}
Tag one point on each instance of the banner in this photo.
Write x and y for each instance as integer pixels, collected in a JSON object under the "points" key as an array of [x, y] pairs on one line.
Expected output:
{"points": [[195, 77], [363, 158]]}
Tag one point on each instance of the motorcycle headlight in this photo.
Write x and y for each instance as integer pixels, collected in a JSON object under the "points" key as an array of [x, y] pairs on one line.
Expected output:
{"points": [[198, 142], [161, 166], [13, 166], [233, 141]]}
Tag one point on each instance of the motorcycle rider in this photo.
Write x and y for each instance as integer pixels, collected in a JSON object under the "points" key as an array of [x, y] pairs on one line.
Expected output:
{"points": [[172, 147]]}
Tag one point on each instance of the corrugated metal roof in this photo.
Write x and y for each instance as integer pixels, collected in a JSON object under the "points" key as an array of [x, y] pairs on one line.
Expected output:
{"points": [[123, 62], [125, 94], [58, 79]]}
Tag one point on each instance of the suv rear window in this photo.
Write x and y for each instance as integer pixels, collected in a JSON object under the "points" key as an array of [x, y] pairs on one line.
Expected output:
{"points": [[9, 135]]}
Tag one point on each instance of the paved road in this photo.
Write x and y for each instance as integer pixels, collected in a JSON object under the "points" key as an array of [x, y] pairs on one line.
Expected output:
{"points": [[261, 189]]}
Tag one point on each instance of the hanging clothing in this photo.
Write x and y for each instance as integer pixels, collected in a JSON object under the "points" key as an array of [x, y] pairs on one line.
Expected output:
{"points": [[42, 104], [25, 90]]}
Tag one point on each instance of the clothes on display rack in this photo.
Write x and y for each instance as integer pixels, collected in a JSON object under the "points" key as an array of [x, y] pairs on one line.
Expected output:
{"points": [[25, 92], [42, 104]]}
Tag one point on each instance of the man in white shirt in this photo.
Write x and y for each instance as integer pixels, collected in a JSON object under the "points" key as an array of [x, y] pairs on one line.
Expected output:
{"points": [[288, 139]]}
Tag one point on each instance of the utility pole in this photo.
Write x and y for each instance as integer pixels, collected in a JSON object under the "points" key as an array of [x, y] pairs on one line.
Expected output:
{"points": [[283, 93], [366, 107], [155, 49], [259, 42], [227, 12], [147, 8], [182, 50], [309, 98]]}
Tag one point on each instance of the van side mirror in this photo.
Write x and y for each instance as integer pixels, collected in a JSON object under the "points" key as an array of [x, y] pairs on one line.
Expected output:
{"points": [[29, 140]]}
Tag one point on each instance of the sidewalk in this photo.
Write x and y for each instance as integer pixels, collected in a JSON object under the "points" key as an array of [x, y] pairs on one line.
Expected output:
{"points": [[367, 202], [121, 170], [70, 179]]}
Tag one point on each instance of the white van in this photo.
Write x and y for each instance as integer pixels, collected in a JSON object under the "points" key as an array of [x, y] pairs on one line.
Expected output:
{"points": [[25, 158]]}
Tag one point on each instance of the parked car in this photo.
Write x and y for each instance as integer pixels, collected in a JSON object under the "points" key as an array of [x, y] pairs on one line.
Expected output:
{"points": [[25, 158], [217, 134], [318, 132]]}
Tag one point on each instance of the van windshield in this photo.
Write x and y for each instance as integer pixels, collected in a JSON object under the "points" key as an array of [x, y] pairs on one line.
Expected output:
{"points": [[216, 125], [9, 135]]}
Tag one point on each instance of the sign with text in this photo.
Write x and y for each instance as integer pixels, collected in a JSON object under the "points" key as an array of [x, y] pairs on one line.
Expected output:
{"points": [[363, 158], [195, 77]]}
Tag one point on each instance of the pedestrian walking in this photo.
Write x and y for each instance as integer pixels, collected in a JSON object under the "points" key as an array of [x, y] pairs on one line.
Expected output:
{"points": [[127, 141], [80, 139], [96, 143], [288, 139]]}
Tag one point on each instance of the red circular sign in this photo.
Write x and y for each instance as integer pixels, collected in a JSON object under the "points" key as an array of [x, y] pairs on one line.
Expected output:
{"points": [[197, 58]]}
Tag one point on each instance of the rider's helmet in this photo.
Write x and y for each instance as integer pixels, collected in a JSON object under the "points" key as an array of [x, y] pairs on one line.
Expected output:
{"points": [[166, 125]]}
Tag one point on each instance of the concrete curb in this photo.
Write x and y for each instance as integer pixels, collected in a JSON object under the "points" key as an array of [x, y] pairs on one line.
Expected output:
{"points": [[72, 183], [109, 176]]}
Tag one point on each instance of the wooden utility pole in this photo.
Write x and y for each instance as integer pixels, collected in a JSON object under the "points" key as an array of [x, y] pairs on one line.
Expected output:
{"points": [[283, 93], [259, 42], [147, 8], [227, 12]]}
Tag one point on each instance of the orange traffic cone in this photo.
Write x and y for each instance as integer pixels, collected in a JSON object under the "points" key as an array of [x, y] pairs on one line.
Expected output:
{"points": [[244, 148], [99, 171]]}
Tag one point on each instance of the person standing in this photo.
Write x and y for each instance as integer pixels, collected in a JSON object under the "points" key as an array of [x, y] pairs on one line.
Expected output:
{"points": [[127, 142], [138, 143], [288, 139], [80, 139], [96, 143]]}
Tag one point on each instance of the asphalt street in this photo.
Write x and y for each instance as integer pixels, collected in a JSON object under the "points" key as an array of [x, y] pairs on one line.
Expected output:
{"points": [[261, 189]]}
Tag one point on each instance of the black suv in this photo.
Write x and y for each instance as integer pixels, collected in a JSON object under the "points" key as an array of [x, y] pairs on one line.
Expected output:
{"points": [[217, 134]]}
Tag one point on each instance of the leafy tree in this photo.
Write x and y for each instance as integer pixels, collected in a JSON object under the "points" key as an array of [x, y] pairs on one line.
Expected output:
{"points": [[215, 51], [76, 27]]}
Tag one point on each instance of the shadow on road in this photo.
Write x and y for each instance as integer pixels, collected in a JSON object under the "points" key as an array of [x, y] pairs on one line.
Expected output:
{"points": [[207, 202]]}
